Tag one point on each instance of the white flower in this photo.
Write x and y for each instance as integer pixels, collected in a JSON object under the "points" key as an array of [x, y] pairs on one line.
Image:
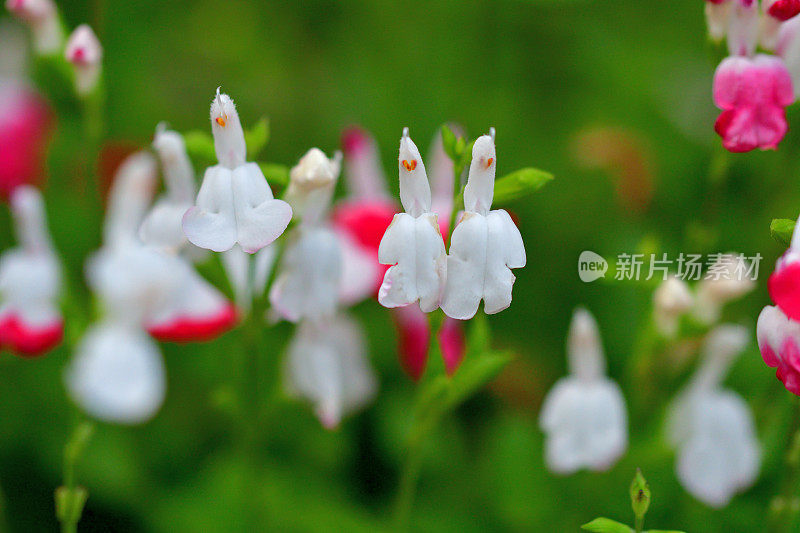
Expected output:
{"points": [[485, 244], [712, 428], [310, 272], [30, 281], [413, 243], [42, 17], [327, 365], [163, 225], [671, 300], [85, 53], [117, 374], [235, 203], [584, 414], [246, 284]]}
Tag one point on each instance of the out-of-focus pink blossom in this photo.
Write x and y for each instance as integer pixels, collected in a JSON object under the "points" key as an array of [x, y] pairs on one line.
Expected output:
{"points": [[783, 10], [362, 218], [414, 336], [779, 342], [753, 94], [452, 344], [25, 124]]}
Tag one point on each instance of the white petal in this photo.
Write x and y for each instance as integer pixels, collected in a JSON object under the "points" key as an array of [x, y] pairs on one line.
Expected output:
{"points": [[117, 374], [163, 225], [29, 286], [178, 171], [30, 223], [129, 198], [584, 349], [228, 134], [359, 270], [236, 263], [720, 454], [327, 365], [417, 248], [307, 285], [466, 267], [211, 223], [260, 218], [479, 191], [415, 191], [586, 425]]}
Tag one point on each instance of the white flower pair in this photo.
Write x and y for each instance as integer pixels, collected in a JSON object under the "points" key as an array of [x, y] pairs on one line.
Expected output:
{"points": [[484, 246]]}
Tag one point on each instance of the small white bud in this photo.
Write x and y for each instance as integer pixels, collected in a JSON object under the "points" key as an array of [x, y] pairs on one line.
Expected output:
{"points": [[85, 53], [671, 300], [42, 17]]}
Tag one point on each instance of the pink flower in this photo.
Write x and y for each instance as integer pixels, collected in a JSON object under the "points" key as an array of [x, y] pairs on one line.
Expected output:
{"points": [[362, 218], [753, 94], [783, 10], [25, 125], [779, 342], [414, 336]]}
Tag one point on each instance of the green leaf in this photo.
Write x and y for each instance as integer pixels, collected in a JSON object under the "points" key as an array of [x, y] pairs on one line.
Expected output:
{"points": [[277, 175], [606, 525], [256, 138], [473, 374], [520, 183], [200, 146], [664, 531], [781, 230], [449, 142]]}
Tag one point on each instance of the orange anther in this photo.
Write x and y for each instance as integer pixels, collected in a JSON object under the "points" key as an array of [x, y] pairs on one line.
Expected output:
{"points": [[220, 121], [489, 162], [410, 165]]}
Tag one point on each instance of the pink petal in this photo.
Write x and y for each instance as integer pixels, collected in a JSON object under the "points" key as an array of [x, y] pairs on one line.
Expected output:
{"points": [[784, 288], [29, 340], [195, 329], [452, 344]]}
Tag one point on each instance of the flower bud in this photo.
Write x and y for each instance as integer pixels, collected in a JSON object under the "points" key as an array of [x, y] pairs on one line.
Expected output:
{"points": [[85, 53], [640, 495], [671, 300], [311, 184], [42, 17]]}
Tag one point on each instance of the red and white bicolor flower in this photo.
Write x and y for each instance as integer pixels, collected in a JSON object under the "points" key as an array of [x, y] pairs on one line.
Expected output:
{"points": [[485, 244], [30, 281], [413, 242], [712, 428], [584, 415], [42, 18], [752, 90], [117, 374], [84, 51], [307, 284], [779, 342], [235, 204]]}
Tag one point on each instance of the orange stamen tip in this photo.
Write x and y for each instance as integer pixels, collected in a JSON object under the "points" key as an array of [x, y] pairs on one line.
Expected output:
{"points": [[410, 165], [220, 121], [489, 162]]}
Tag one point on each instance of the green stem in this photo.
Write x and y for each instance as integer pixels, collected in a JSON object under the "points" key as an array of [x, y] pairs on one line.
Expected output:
{"points": [[785, 506], [408, 487], [639, 524], [70, 498]]}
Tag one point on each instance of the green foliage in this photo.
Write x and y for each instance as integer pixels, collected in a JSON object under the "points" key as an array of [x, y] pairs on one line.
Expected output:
{"points": [[781, 230], [256, 138], [606, 525], [277, 175], [520, 183], [200, 146]]}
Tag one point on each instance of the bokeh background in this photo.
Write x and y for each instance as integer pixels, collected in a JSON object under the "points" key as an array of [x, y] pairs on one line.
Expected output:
{"points": [[614, 98]]}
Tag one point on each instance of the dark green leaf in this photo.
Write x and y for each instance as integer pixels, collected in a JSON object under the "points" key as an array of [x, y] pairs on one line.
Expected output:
{"points": [[520, 183], [256, 138], [781, 230], [606, 525]]}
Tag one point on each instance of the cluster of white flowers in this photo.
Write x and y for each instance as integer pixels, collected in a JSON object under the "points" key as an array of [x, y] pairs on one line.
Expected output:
{"points": [[484, 247]]}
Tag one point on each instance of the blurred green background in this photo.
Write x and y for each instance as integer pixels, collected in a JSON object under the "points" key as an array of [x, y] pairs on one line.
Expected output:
{"points": [[614, 98]]}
